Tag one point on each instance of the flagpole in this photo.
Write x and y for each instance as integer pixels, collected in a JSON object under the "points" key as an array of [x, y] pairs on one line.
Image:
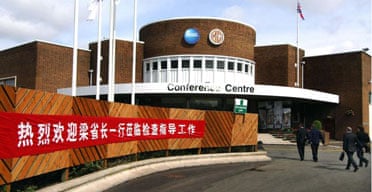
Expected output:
{"points": [[110, 96], [134, 54], [298, 50], [75, 49], [98, 70]]}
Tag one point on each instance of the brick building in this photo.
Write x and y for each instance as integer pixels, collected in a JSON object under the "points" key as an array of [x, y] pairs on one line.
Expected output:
{"points": [[206, 63]]}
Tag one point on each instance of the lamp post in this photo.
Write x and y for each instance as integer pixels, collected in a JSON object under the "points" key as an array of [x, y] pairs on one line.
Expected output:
{"points": [[302, 78]]}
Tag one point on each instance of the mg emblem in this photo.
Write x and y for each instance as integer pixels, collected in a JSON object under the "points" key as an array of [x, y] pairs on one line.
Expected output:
{"points": [[216, 36]]}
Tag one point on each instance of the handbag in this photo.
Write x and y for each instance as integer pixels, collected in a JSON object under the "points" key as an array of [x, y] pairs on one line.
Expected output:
{"points": [[342, 156]]}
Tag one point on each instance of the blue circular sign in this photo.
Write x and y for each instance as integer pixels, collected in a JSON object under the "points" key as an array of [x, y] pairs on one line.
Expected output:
{"points": [[191, 36]]}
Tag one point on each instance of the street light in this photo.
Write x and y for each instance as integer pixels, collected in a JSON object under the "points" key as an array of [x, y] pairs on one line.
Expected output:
{"points": [[302, 67]]}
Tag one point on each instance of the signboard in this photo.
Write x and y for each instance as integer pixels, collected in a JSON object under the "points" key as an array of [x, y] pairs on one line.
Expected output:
{"points": [[27, 134], [240, 106]]}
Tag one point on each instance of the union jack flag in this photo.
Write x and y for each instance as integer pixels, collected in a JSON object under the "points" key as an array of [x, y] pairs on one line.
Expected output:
{"points": [[299, 11]]}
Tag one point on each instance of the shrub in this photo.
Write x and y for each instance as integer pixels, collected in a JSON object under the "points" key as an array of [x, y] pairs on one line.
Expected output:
{"points": [[317, 124]]}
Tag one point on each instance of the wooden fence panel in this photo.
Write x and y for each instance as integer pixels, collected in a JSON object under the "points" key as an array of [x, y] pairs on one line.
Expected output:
{"points": [[154, 113], [39, 102], [89, 107], [127, 148], [123, 110], [7, 98], [29, 166], [177, 144], [223, 129], [245, 130], [5, 171], [218, 130], [122, 149]]}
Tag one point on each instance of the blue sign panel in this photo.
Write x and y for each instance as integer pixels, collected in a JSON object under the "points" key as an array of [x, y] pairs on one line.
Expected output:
{"points": [[191, 36]]}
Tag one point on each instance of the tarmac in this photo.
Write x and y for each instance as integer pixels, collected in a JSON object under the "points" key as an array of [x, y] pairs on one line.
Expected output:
{"points": [[107, 178]]}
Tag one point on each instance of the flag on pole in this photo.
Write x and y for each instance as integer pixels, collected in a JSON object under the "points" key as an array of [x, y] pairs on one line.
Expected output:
{"points": [[93, 10], [299, 11]]}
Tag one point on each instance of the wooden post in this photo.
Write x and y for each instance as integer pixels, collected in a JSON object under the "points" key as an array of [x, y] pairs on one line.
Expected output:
{"points": [[64, 176], [7, 187]]}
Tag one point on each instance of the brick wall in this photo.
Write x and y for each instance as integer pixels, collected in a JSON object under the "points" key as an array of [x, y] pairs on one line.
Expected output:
{"points": [[275, 65], [345, 74], [123, 61], [166, 38], [43, 66], [20, 61], [54, 67]]}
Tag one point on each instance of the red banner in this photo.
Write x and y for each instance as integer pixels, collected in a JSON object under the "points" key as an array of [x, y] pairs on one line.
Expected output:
{"points": [[26, 134]]}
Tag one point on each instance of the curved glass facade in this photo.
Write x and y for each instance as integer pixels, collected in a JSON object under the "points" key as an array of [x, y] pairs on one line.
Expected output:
{"points": [[198, 69]]}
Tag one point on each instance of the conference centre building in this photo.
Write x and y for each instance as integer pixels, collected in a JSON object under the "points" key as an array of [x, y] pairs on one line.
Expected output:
{"points": [[207, 64]]}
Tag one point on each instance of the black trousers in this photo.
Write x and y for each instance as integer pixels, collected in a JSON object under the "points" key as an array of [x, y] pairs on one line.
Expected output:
{"points": [[350, 160], [314, 150], [362, 159], [301, 150]]}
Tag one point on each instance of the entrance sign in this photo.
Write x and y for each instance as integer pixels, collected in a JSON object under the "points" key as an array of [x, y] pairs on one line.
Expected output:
{"points": [[26, 134], [240, 106]]}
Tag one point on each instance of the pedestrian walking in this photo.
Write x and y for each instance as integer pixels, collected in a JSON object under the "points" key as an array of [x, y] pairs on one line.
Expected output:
{"points": [[315, 136], [364, 142], [301, 137], [350, 144]]}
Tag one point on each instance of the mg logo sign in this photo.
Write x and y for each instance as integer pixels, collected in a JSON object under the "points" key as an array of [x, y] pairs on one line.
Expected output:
{"points": [[216, 36]]}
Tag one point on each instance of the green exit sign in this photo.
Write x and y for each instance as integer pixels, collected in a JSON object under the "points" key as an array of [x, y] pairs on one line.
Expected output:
{"points": [[240, 106]]}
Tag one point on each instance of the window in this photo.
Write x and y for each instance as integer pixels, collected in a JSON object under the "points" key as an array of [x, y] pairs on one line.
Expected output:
{"points": [[246, 68], [185, 63], [147, 66], [10, 81], [240, 67], [198, 63], [230, 65], [220, 64], [154, 66], [163, 64], [174, 64], [209, 64]]}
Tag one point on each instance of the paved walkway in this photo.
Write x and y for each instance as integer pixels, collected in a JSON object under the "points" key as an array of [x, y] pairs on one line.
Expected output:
{"points": [[104, 179]]}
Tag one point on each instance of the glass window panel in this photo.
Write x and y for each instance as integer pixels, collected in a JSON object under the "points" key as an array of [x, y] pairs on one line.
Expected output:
{"points": [[198, 63], [209, 64], [185, 63], [230, 65], [163, 64], [220, 64], [154, 65], [240, 67], [174, 64]]}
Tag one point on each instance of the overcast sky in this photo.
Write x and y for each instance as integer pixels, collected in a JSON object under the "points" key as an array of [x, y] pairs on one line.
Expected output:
{"points": [[330, 26]]}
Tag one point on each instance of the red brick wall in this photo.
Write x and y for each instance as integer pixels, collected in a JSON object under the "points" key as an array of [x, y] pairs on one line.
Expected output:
{"points": [[54, 68], [44, 66], [123, 61], [166, 38], [21, 62], [275, 65], [346, 75]]}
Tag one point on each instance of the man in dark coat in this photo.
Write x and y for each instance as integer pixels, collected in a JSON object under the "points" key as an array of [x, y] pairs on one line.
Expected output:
{"points": [[364, 140], [350, 144], [301, 137], [315, 136]]}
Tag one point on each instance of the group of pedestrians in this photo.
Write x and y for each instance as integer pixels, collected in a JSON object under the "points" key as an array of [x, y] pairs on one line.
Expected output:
{"points": [[355, 143], [352, 143], [313, 137]]}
